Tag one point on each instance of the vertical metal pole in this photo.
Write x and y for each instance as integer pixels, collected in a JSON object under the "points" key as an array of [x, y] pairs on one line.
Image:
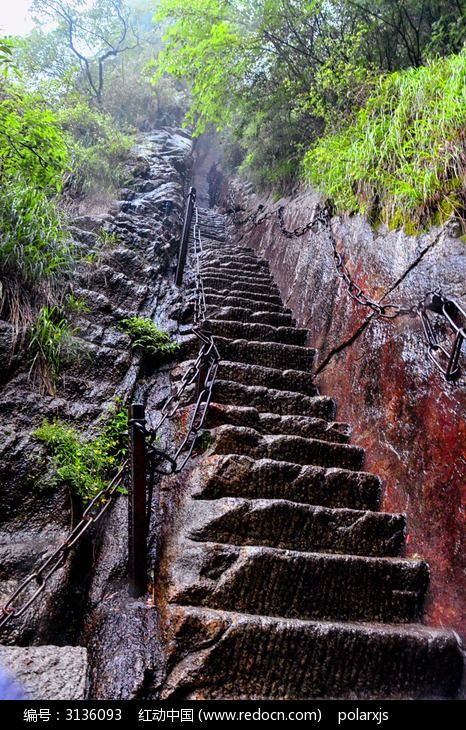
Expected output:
{"points": [[183, 252], [137, 525]]}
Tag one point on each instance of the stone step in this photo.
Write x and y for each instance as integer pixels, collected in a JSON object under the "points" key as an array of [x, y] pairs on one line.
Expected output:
{"points": [[233, 475], [258, 658], [267, 354], [236, 261], [269, 400], [293, 584], [239, 290], [295, 380], [257, 287], [272, 423], [44, 672], [226, 299], [217, 275], [242, 314], [234, 330], [280, 523], [298, 450]]}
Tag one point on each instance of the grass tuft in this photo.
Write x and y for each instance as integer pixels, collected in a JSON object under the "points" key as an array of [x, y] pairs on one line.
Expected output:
{"points": [[403, 161]]}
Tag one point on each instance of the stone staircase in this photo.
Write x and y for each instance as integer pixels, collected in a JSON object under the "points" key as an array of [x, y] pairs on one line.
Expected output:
{"points": [[285, 581]]}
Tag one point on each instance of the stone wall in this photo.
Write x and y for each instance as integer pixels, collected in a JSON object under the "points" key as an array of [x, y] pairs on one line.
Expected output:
{"points": [[402, 411]]}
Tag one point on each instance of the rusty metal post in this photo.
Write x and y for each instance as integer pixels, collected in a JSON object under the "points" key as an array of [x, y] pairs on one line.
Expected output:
{"points": [[183, 250], [137, 523]]}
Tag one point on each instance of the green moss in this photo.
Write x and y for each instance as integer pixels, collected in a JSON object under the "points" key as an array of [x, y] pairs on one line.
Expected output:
{"points": [[85, 465]]}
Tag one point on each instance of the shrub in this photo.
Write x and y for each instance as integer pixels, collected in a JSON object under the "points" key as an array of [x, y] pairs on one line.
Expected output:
{"points": [[86, 465], [98, 148], [34, 249], [146, 336], [402, 161], [50, 342]]}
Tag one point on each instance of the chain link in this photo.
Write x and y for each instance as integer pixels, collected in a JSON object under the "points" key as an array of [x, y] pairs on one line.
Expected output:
{"points": [[202, 372], [447, 362], [42, 575]]}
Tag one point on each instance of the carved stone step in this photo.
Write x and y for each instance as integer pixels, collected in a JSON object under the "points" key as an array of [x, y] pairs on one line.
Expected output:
{"points": [[227, 299], [292, 526], [273, 423], [298, 450], [295, 380], [242, 314], [268, 400], [241, 261], [258, 332], [292, 584], [228, 278], [239, 290], [267, 354], [222, 655], [256, 287], [233, 475]]}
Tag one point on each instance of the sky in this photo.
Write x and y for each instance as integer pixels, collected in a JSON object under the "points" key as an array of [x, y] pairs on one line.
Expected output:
{"points": [[14, 19]]}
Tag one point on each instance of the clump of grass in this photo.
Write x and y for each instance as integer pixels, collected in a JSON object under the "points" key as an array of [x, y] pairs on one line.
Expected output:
{"points": [[76, 304], [106, 238], [34, 253], [402, 162], [146, 336], [85, 465], [50, 344]]}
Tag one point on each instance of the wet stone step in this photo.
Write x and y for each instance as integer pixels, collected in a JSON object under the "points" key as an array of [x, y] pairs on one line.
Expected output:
{"points": [[292, 584], [291, 380], [306, 528], [233, 475], [252, 284], [235, 261], [228, 278], [298, 450], [227, 299], [273, 423], [257, 657], [238, 290], [258, 332], [266, 354], [268, 400], [242, 314]]}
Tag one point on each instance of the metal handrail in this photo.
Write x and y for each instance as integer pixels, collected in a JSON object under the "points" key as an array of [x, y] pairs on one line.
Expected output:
{"points": [[183, 250]]}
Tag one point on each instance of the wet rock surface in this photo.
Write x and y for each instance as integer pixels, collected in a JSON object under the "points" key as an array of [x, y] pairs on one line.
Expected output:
{"points": [[410, 421], [280, 578], [131, 253], [47, 672]]}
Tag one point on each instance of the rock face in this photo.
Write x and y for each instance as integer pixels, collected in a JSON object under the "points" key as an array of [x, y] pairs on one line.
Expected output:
{"points": [[403, 412], [281, 579], [129, 272], [47, 672]]}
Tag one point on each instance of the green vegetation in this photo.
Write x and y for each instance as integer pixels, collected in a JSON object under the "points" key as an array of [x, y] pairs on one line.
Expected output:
{"points": [[85, 465], [50, 343], [146, 336], [98, 148], [287, 80], [402, 161]]}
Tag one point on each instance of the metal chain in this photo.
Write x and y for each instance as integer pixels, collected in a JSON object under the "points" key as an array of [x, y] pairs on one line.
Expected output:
{"points": [[204, 370], [445, 361], [42, 575]]}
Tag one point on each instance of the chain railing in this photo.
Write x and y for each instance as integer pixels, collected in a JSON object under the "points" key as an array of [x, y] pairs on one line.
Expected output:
{"points": [[454, 316], [146, 457], [201, 374], [22, 599]]}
